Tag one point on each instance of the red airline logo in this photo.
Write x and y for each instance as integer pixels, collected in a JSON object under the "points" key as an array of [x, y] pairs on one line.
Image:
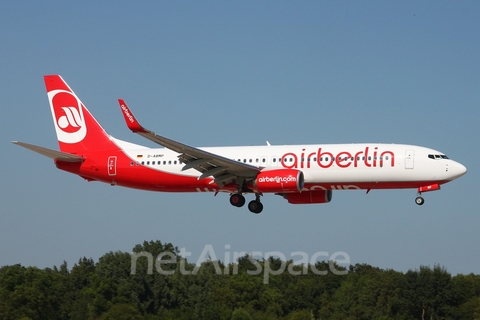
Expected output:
{"points": [[67, 112], [68, 115]]}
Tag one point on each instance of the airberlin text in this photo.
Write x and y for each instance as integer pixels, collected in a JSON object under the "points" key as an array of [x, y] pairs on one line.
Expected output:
{"points": [[278, 179], [127, 113], [324, 159]]}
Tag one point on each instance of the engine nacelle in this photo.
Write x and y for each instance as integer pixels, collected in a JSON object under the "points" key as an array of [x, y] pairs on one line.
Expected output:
{"points": [[279, 181], [306, 197]]}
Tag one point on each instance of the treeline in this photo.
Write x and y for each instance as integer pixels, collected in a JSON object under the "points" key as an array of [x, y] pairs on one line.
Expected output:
{"points": [[108, 290]]}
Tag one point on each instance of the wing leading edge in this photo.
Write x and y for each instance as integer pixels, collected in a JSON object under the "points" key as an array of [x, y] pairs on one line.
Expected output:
{"points": [[224, 170]]}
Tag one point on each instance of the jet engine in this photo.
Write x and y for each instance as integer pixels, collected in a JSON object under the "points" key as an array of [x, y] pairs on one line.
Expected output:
{"points": [[279, 181]]}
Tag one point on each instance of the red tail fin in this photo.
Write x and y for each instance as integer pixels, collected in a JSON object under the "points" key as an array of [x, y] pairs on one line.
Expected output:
{"points": [[77, 130]]}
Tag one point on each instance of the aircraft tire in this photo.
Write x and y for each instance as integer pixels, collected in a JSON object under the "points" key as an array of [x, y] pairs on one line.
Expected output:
{"points": [[419, 200], [255, 206], [237, 200]]}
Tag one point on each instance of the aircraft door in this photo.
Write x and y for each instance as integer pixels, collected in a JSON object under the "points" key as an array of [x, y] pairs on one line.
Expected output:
{"points": [[409, 155]]}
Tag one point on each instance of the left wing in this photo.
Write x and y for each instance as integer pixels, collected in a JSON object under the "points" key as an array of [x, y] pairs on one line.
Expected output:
{"points": [[224, 170]]}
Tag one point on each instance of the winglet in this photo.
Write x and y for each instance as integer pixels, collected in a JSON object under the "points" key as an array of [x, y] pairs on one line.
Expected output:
{"points": [[130, 119]]}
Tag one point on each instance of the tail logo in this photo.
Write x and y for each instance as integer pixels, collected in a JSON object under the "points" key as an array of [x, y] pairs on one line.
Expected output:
{"points": [[71, 119], [67, 111]]}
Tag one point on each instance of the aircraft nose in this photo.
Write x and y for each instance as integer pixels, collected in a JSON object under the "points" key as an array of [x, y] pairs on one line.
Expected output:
{"points": [[457, 170]]}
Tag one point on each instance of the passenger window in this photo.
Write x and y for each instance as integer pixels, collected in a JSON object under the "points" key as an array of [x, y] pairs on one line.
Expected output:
{"points": [[131, 163]]}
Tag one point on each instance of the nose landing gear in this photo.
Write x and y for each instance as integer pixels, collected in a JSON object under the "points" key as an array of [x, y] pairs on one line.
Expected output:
{"points": [[432, 187], [419, 200]]}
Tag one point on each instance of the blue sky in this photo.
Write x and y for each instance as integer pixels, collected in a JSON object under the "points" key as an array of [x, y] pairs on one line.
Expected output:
{"points": [[240, 73]]}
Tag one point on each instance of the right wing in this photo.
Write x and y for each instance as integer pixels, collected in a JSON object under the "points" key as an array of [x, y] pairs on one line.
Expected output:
{"points": [[53, 154], [224, 170]]}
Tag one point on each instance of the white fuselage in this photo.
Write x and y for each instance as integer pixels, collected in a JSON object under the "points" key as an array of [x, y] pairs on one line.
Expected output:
{"points": [[353, 165]]}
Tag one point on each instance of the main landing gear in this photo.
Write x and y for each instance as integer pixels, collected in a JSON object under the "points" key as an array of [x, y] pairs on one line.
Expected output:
{"points": [[238, 200]]}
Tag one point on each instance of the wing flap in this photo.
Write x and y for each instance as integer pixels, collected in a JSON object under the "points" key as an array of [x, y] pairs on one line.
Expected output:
{"points": [[194, 163]]}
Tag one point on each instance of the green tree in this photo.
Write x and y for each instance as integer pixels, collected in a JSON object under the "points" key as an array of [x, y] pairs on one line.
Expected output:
{"points": [[29, 293], [121, 312], [240, 314], [428, 291], [301, 315]]}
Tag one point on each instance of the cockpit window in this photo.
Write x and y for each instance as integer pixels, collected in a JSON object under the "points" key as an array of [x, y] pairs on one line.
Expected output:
{"points": [[437, 156]]}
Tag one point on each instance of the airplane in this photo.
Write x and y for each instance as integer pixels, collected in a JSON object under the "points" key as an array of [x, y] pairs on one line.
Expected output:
{"points": [[302, 174]]}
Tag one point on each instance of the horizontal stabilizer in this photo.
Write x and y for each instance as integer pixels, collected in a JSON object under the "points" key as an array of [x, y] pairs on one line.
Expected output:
{"points": [[53, 154]]}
